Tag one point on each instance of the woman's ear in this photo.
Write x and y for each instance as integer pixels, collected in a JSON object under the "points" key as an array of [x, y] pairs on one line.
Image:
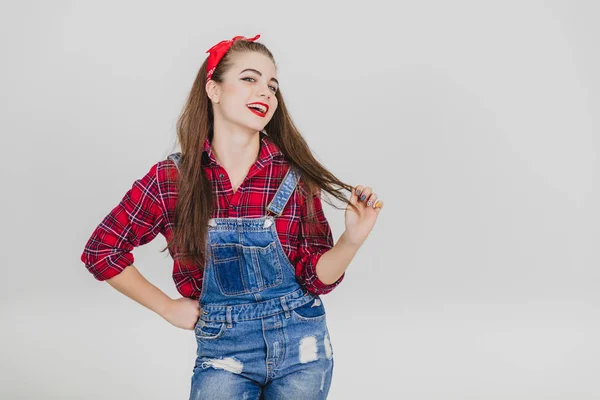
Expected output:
{"points": [[212, 91]]}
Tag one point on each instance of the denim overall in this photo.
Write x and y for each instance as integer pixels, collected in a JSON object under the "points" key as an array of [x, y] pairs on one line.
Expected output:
{"points": [[260, 334]]}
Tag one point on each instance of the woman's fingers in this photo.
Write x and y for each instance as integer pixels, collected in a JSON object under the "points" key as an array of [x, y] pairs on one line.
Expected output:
{"points": [[359, 189], [371, 200], [356, 192], [365, 195]]}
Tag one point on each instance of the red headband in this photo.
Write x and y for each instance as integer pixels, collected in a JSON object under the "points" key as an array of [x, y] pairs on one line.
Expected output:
{"points": [[218, 51]]}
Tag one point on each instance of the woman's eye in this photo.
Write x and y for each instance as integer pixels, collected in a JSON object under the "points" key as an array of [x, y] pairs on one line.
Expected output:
{"points": [[273, 88]]}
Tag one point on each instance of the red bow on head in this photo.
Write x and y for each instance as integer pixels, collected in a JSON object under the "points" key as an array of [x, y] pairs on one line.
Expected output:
{"points": [[218, 51]]}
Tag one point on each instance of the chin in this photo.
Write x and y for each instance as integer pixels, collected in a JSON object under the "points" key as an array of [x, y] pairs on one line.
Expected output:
{"points": [[256, 127], [253, 129]]}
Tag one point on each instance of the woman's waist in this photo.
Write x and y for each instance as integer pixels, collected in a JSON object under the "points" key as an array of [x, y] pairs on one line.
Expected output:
{"points": [[221, 311]]}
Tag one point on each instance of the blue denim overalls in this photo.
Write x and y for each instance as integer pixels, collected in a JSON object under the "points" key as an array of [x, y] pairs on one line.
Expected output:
{"points": [[260, 333]]}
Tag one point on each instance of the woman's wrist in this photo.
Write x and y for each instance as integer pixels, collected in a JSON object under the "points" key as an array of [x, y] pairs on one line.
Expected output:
{"points": [[346, 241]]}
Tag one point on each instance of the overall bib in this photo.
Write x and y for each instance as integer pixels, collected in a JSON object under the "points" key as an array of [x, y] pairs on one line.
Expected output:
{"points": [[260, 335]]}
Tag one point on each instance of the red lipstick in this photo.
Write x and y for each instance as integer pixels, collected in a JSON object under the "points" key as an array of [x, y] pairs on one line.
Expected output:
{"points": [[258, 112]]}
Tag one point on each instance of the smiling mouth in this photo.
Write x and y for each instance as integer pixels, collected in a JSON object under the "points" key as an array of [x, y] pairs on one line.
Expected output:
{"points": [[259, 109]]}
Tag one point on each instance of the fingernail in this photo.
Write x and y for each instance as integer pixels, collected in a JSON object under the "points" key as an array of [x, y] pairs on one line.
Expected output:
{"points": [[357, 192], [369, 203], [363, 197]]}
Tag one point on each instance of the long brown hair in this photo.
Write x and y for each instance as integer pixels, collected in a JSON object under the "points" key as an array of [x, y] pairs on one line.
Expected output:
{"points": [[195, 197]]}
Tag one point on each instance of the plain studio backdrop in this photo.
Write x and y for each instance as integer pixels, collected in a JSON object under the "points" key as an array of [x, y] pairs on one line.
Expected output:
{"points": [[476, 122]]}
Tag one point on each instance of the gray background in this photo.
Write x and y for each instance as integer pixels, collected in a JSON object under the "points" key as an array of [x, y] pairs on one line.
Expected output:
{"points": [[476, 122]]}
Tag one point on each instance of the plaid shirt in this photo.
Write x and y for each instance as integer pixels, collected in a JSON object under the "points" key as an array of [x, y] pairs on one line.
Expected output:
{"points": [[148, 209]]}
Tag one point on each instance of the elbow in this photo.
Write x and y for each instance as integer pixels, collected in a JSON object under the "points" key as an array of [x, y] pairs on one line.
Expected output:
{"points": [[103, 268]]}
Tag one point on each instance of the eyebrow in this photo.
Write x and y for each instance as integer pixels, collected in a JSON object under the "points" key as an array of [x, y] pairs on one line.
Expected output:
{"points": [[259, 74]]}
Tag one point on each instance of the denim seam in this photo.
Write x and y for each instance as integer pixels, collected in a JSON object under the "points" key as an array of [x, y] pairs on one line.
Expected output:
{"points": [[308, 319], [212, 337], [295, 295], [207, 319]]}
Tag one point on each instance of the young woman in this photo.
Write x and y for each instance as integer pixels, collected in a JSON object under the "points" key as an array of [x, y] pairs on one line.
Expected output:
{"points": [[240, 208]]}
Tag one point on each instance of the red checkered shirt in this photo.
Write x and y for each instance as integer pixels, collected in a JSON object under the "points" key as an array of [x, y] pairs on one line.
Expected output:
{"points": [[148, 209]]}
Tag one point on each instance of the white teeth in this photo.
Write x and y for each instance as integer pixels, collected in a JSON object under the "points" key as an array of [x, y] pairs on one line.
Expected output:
{"points": [[259, 107]]}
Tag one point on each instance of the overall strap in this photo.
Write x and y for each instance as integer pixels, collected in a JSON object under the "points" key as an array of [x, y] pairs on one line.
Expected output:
{"points": [[176, 158], [285, 191]]}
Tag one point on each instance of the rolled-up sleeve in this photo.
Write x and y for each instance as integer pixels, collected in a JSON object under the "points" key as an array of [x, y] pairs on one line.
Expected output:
{"points": [[136, 220], [312, 245]]}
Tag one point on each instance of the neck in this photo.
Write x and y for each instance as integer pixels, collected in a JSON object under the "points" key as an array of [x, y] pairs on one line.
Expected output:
{"points": [[235, 149]]}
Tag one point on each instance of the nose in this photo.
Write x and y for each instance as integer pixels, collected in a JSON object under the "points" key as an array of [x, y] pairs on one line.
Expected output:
{"points": [[265, 91]]}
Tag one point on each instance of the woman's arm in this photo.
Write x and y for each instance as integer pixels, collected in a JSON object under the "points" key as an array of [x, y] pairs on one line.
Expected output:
{"points": [[182, 312], [135, 221], [359, 222], [333, 263], [133, 285], [314, 244]]}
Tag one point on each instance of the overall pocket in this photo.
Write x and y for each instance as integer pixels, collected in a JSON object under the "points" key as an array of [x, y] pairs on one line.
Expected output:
{"points": [[312, 311], [209, 330], [241, 269]]}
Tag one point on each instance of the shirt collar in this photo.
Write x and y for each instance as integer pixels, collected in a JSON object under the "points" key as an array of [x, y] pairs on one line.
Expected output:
{"points": [[268, 151]]}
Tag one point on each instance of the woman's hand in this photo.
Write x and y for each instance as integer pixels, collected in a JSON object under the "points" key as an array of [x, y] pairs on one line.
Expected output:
{"points": [[183, 313], [360, 223]]}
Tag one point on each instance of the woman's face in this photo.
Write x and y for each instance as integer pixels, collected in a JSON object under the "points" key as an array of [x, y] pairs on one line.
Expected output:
{"points": [[247, 94]]}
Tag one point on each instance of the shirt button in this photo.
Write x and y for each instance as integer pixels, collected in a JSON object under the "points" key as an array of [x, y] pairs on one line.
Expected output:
{"points": [[221, 175]]}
